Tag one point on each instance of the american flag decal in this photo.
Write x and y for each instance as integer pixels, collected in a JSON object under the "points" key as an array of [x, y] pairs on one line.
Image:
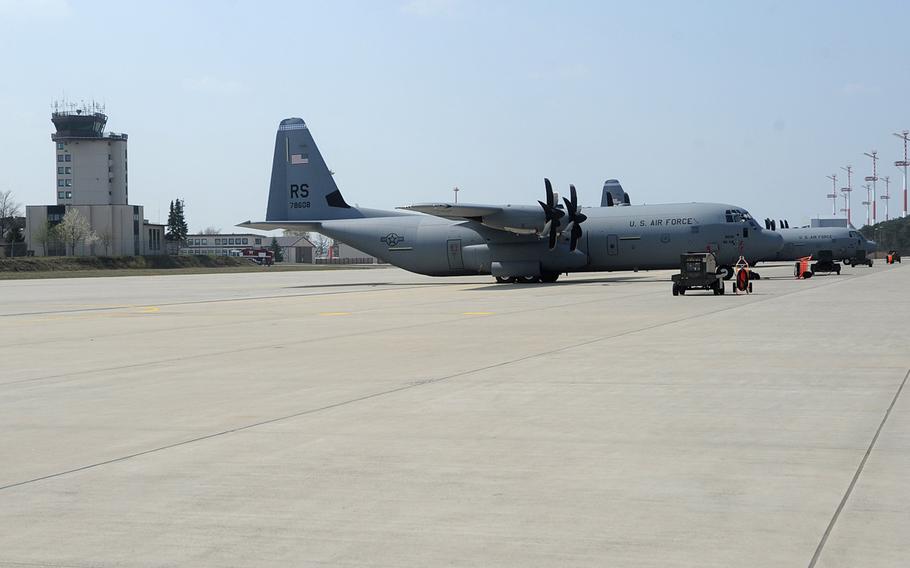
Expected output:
{"points": [[299, 159]]}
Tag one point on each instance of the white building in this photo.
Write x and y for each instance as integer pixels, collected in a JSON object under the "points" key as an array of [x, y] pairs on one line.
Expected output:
{"points": [[92, 177], [223, 245]]}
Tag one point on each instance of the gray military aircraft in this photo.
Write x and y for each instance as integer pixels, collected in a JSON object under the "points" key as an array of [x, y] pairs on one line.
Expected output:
{"points": [[845, 243], [514, 243]]}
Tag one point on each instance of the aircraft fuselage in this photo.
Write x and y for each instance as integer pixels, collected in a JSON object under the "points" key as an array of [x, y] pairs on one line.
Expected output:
{"points": [[615, 238]]}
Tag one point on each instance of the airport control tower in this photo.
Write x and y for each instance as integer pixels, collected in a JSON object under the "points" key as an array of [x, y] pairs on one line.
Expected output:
{"points": [[91, 164]]}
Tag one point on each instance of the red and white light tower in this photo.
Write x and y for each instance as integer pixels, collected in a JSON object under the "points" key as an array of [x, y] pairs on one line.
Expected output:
{"points": [[887, 197], [846, 191], [904, 135], [833, 195], [873, 178], [868, 203]]}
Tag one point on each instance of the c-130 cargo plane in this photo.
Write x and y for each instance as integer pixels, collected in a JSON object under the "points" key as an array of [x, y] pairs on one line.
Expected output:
{"points": [[514, 243]]}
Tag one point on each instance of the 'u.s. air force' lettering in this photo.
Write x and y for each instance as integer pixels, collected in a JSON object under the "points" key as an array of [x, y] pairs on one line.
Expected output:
{"points": [[668, 222], [301, 191]]}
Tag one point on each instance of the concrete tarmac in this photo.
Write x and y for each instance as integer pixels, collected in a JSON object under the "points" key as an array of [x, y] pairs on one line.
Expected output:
{"points": [[379, 418]]}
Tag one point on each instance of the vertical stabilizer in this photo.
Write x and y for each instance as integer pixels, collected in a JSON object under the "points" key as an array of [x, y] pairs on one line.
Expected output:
{"points": [[302, 187], [613, 194]]}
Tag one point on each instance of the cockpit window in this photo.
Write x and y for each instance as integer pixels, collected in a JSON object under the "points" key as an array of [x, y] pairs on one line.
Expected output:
{"points": [[737, 216]]}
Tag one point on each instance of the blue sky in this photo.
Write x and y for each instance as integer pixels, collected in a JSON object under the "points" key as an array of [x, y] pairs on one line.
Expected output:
{"points": [[747, 103]]}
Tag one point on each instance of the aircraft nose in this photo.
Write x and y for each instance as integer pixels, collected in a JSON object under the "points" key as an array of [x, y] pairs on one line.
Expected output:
{"points": [[765, 246], [871, 246], [774, 241]]}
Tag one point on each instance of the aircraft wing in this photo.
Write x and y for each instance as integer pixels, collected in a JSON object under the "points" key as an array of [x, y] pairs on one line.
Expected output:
{"points": [[454, 210]]}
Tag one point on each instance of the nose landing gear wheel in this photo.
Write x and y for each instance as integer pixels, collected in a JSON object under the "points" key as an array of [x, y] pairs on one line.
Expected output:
{"points": [[727, 271]]}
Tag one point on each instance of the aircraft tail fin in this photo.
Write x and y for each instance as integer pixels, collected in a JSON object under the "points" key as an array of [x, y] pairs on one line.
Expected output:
{"points": [[302, 187], [613, 194]]}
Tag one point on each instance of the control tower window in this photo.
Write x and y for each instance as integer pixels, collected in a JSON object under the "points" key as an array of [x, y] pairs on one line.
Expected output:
{"points": [[59, 183], [69, 194], [60, 145], [68, 158], [60, 170], [59, 195], [69, 182], [68, 170], [59, 157]]}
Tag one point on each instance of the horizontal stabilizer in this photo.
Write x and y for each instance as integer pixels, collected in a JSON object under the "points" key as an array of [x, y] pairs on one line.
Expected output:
{"points": [[274, 225]]}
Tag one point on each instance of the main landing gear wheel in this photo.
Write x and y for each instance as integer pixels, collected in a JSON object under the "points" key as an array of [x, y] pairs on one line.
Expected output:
{"points": [[503, 280], [549, 277], [528, 279], [727, 271]]}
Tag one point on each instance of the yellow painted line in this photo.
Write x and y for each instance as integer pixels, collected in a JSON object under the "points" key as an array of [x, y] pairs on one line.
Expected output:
{"points": [[477, 313], [330, 314], [150, 310]]}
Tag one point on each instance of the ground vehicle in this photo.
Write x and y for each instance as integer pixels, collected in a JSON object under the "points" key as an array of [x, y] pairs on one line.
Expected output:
{"points": [[858, 258], [825, 263], [698, 271], [261, 256]]}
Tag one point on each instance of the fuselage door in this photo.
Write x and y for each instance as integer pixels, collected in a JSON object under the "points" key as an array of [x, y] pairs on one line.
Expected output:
{"points": [[456, 262], [612, 245]]}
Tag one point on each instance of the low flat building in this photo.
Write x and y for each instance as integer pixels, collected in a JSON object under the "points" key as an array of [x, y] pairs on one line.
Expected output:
{"points": [[223, 245], [121, 230], [832, 222]]}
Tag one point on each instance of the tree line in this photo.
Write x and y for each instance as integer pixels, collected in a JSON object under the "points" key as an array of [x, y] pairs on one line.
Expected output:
{"points": [[890, 235]]}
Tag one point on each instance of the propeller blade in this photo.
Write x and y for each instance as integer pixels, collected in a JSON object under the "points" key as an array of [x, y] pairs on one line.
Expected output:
{"points": [[625, 198], [576, 218], [552, 215], [609, 200], [574, 236], [773, 225]]}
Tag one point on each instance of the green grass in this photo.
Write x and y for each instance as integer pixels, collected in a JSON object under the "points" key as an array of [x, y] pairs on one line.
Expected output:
{"points": [[90, 267]]}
